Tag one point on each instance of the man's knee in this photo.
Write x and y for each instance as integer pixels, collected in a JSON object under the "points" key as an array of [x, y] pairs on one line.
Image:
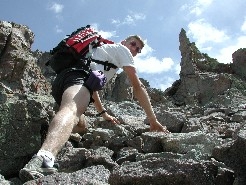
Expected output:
{"points": [[81, 126], [82, 121]]}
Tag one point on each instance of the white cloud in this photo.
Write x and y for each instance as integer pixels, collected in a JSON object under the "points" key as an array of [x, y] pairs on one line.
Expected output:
{"points": [[203, 32], [177, 68], [225, 54], [168, 83], [200, 6], [243, 27], [129, 19], [160, 81], [107, 35], [153, 65], [219, 42], [146, 51], [139, 16], [95, 26], [147, 63], [56, 8], [206, 37], [58, 29], [197, 7], [104, 34], [161, 72]]}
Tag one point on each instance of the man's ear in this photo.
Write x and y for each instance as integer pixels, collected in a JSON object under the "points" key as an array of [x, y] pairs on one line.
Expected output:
{"points": [[123, 42]]}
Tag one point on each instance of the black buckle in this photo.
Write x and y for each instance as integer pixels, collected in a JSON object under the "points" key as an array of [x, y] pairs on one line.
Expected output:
{"points": [[106, 66]]}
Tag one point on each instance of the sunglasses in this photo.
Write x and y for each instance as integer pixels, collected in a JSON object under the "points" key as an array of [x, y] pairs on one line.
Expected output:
{"points": [[138, 49]]}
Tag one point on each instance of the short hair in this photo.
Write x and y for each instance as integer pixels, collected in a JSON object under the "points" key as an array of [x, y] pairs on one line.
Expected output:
{"points": [[135, 37]]}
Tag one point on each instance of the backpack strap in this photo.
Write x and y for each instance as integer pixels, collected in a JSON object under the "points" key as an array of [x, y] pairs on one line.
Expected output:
{"points": [[106, 64]]}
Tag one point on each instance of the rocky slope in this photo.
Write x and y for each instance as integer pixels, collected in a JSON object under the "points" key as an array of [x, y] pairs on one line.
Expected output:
{"points": [[203, 110]]}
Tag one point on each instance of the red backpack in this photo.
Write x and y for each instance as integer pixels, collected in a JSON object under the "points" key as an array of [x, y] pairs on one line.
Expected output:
{"points": [[74, 49]]}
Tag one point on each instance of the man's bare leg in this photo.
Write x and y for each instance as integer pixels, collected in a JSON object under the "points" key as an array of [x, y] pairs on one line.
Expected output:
{"points": [[75, 100]]}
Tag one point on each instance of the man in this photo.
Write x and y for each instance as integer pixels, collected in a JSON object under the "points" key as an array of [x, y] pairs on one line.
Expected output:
{"points": [[73, 98]]}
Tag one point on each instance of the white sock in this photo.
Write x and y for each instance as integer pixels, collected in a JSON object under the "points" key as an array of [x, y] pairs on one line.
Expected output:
{"points": [[48, 157]]}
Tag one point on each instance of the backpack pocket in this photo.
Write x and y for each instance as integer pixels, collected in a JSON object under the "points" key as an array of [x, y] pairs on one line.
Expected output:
{"points": [[61, 60], [96, 80]]}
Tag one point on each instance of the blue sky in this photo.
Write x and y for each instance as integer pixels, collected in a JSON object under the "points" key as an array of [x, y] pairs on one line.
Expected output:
{"points": [[218, 27]]}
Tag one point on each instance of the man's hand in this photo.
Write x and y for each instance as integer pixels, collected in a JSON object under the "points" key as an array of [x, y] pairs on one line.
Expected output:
{"points": [[157, 127], [108, 117]]}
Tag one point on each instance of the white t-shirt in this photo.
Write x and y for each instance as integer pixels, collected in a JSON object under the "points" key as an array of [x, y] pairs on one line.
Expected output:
{"points": [[116, 54]]}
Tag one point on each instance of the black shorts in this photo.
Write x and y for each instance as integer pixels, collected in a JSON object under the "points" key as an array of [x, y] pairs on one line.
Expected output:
{"points": [[65, 79]]}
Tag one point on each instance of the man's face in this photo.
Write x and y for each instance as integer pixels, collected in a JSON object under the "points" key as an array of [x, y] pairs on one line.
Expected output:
{"points": [[134, 46]]}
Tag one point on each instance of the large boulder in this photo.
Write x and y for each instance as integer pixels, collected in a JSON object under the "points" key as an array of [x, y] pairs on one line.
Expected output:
{"points": [[26, 105]]}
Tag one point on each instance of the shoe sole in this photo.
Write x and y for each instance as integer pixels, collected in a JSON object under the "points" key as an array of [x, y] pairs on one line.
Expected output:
{"points": [[27, 175]]}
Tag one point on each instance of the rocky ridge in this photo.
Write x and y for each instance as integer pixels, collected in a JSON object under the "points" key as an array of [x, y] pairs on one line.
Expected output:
{"points": [[203, 110]]}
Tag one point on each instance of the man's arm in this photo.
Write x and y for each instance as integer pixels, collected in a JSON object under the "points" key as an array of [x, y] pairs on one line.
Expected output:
{"points": [[98, 105], [97, 101], [143, 98]]}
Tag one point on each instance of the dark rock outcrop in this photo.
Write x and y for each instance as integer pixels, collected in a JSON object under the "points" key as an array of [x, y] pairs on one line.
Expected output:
{"points": [[25, 106], [203, 110], [203, 79]]}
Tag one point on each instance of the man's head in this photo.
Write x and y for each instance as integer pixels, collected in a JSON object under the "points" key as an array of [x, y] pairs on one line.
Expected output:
{"points": [[134, 43]]}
